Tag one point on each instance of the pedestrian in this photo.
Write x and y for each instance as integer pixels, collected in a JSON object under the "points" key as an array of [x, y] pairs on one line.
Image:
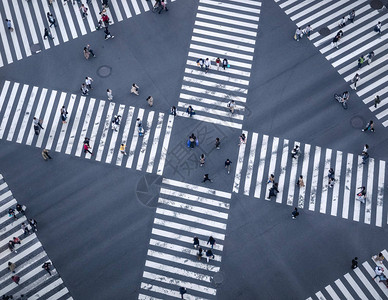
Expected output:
{"points": [[107, 34], [140, 127], [86, 53], [206, 178], [355, 263], [352, 15], [378, 271], [25, 228], [231, 105], [209, 254], [33, 224], [105, 3], [109, 94], [11, 246], [51, 19], [84, 90], [218, 143], [182, 291], [196, 242], [173, 111], [378, 28], [19, 208], [298, 34], [122, 149], [376, 100], [361, 196], [207, 65], [360, 61], [200, 62], [300, 181], [37, 125], [228, 165], [342, 22], [218, 62], [242, 139], [47, 266], [330, 175], [90, 50], [164, 7], [116, 122], [355, 79], [295, 151], [16, 240], [370, 57], [64, 114], [9, 24], [273, 191], [150, 101], [11, 213], [340, 34], [190, 111], [105, 19], [225, 63], [365, 157], [11, 266], [211, 241], [335, 42], [88, 82], [369, 126], [135, 89], [307, 31], [47, 33], [366, 147], [15, 279], [202, 160], [99, 24], [271, 179], [200, 253], [87, 147], [379, 258], [294, 213], [192, 141], [84, 11]]}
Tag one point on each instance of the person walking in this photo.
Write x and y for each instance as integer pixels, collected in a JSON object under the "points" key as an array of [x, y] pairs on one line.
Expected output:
{"points": [[163, 6], [361, 196], [331, 178], [84, 90], [342, 22], [47, 266], [225, 63], [355, 79], [16, 279], [173, 111], [200, 253], [378, 271], [209, 254], [86, 53], [231, 105], [47, 33], [366, 147], [228, 164], [90, 50], [200, 62], [11, 213], [334, 43], [295, 151], [64, 114], [37, 125], [218, 144], [11, 266], [109, 94], [242, 139], [192, 141], [370, 57], [182, 290], [116, 122], [360, 61], [11, 246], [369, 126], [140, 127], [211, 241], [46, 154], [300, 182], [273, 191], [378, 28], [190, 111], [298, 34], [355, 263], [25, 228], [84, 11], [196, 242], [33, 224], [202, 160], [51, 19], [150, 101], [88, 82], [122, 149], [294, 213], [308, 30], [9, 24], [352, 16], [365, 157], [379, 258], [271, 179], [20, 209], [135, 89], [107, 34], [207, 65], [105, 19], [206, 178], [376, 100], [87, 147], [16, 240], [218, 62]]}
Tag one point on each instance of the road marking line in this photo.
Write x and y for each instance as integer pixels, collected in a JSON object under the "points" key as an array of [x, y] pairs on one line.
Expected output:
{"points": [[105, 131], [74, 129], [155, 143]]}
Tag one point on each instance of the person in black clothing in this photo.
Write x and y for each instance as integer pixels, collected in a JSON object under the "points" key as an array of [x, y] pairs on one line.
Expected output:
{"points": [[182, 291], [354, 263], [19, 208], [47, 266], [199, 253], [206, 178], [33, 224], [225, 63], [11, 213], [273, 191], [209, 254], [212, 241], [196, 242]]}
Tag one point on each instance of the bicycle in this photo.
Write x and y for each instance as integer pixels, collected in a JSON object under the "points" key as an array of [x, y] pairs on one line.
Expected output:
{"points": [[341, 100]]}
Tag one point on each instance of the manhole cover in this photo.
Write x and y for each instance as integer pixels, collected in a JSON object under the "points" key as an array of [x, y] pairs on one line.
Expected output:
{"points": [[35, 48], [324, 31], [218, 278], [357, 122], [147, 190], [376, 4], [104, 71]]}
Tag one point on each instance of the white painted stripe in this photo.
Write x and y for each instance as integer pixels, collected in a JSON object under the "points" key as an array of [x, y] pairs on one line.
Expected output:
{"points": [[78, 16], [124, 138], [117, 10], [215, 85], [320, 295], [272, 164], [46, 118], [144, 297], [323, 206], [356, 214], [70, 20], [337, 176], [135, 7], [366, 283], [41, 26], [314, 179], [10, 203], [193, 230], [343, 289], [380, 194], [211, 56], [37, 115], [240, 163], [166, 141], [21, 28], [62, 134], [13, 34], [221, 52], [369, 191], [4, 39], [96, 126], [371, 272], [59, 294], [248, 2], [5, 195], [55, 123], [305, 11], [19, 108], [47, 289], [260, 168], [305, 166], [182, 261], [210, 120], [282, 176], [178, 271], [382, 114], [162, 290], [332, 293], [28, 249], [127, 10], [210, 75], [4, 93], [107, 124], [224, 36], [213, 111], [60, 23], [225, 28], [385, 123], [90, 19], [232, 70], [30, 22], [3, 186], [299, 6], [7, 112], [193, 208], [293, 179], [321, 12], [155, 143], [231, 6], [227, 21], [228, 13], [135, 137], [52, 29], [85, 126], [112, 146], [355, 287], [287, 3], [348, 183], [372, 86], [27, 114], [214, 94], [191, 197], [144, 144], [74, 129]]}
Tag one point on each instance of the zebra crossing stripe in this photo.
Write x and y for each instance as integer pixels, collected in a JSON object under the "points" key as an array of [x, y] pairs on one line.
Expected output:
{"points": [[366, 283], [314, 179], [134, 140], [343, 289], [369, 191], [52, 29], [332, 293], [347, 186], [62, 134], [60, 294], [73, 30], [59, 20], [106, 128], [40, 24], [232, 6], [162, 290], [282, 176], [127, 127], [320, 296], [212, 111], [4, 93], [239, 165], [228, 13], [166, 142], [360, 167], [80, 21], [13, 36], [215, 94], [355, 287], [46, 118], [251, 159], [371, 273], [380, 194], [117, 10], [293, 179], [96, 126], [16, 116], [54, 127], [260, 169], [305, 164], [140, 159], [7, 50], [275, 145], [144, 297], [223, 36], [155, 143], [8, 108], [47, 289], [113, 139], [325, 186], [74, 129], [227, 21], [37, 115], [337, 177], [319, 13], [79, 149], [21, 28]]}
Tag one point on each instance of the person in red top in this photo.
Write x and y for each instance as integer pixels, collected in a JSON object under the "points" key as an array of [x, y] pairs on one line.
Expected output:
{"points": [[105, 19]]}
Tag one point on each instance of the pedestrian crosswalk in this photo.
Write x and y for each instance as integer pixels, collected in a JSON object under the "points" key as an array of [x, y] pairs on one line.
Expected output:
{"points": [[222, 30], [184, 211], [29, 19], [29, 256], [87, 117], [263, 155], [359, 39], [357, 284]]}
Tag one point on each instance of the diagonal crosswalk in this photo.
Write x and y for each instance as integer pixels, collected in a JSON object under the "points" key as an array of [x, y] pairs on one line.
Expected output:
{"points": [[29, 19], [357, 284], [35, 282], [263, 155], [359, 39], [228, 30], [184, 211], [87, 117]]}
